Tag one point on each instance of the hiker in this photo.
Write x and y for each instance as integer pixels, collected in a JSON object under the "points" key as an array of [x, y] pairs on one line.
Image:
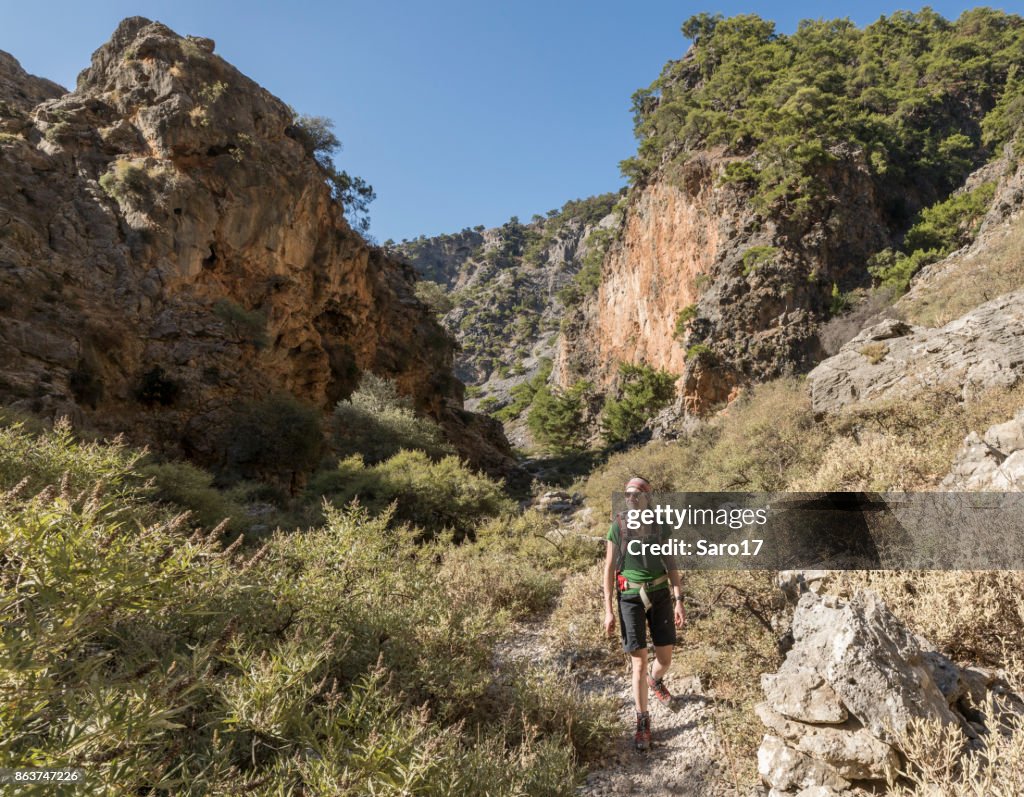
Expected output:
{"points": [[649, 594]]}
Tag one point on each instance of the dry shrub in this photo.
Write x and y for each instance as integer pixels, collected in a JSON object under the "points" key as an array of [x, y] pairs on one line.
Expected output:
{"points": [[761, 442], [870, 309], [728, 641], [576, 624], [939, 761]]}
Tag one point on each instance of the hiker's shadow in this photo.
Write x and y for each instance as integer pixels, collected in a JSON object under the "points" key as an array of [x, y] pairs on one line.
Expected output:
{"points": [[664, 734]]}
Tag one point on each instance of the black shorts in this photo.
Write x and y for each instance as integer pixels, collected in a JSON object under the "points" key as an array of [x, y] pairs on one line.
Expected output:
{"points": [[634, 619]]}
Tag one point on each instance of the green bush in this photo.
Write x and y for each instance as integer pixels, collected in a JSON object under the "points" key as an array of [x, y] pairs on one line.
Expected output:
{"points": [[188, 487], [430, 495], [757, 256], [700, 351], [276, 438], [523, 394], [434, 296], [683, 319], [376, 423], [938, 231], [126, 179], [250, 325], [644, 392], [555, 417], [325, 662]]}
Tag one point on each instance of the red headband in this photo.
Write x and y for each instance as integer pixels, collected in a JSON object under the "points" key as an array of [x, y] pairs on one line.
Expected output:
{"points": [[639, 484]]}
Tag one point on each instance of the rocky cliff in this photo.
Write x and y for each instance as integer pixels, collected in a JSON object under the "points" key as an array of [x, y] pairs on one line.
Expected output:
{"points": [[171, 253], [701, 285]]}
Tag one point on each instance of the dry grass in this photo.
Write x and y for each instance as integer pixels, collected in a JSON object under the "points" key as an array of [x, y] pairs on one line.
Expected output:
{"points": [[969, 615], [874, 352], [904, 444], [977, 277]]}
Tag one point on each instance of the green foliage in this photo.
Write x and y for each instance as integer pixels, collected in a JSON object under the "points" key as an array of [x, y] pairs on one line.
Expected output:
{"points": [[948, 225], [700, 351], [188, 487], [316, 135], [683, 319], [840, 301], [757, 256], [430, 495], [904, 94], [523, 394], [587, 280], [325, 662], [434, 296], [376, 422], [249, 325], [125, 180], [274, 438], [939, 230], [1005, 121], [644, 392], [555, 417]]}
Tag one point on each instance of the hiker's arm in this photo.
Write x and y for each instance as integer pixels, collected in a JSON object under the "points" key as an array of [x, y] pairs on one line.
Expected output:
{"points": [[609, 582], [677, 591]]}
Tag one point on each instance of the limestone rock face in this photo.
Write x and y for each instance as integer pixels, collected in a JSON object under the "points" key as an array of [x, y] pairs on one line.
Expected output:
{"points": [[848, 748], [169, 250], [981, 350], [785, 769], [802, 694], [22, 91], [753, 289], [993, 461], [873, 664], [840, 705]]}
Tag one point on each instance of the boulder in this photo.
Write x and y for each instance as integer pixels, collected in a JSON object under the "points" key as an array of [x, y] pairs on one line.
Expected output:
{"points": [[801, 693], [786, 769], [990, 462], [979, 351], [849, 748], [874, 665]]}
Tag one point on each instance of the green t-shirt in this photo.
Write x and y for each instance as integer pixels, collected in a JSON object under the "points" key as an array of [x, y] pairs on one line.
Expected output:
{"points": [[639, 567]]}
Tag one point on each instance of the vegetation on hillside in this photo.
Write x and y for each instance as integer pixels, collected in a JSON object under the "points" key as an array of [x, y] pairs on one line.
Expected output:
{"points": [[344, 659], [938, 230], [644, 392], [907, 96]]}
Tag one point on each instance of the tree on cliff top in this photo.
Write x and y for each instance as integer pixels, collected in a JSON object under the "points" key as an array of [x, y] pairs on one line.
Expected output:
{"points": [[316, 134]]}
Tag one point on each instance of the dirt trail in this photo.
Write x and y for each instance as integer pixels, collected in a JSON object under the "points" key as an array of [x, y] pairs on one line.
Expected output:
{"points": [[685, 758]]}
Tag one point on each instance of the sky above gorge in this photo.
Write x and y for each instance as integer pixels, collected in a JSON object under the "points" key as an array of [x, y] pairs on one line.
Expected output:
{"points": [[458, 112]]}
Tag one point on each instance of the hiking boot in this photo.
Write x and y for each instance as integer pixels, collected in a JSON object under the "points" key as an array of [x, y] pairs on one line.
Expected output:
{"points": [[642, 738], [660, 691]]}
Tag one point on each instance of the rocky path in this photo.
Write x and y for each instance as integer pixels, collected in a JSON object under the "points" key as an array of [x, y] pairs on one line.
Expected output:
{"points": [[684, 759]]}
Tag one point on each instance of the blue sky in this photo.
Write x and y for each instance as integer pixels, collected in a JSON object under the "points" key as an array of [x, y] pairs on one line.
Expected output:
{"points": [[458, 112]]}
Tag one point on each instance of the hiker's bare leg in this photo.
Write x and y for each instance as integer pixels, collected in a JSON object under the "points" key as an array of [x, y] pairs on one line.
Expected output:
{"points": [[638, 658], [662, 661]]}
